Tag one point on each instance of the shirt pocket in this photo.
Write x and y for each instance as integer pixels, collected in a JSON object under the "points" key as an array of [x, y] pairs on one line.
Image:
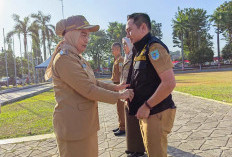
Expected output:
{"points": [[140, 71]]}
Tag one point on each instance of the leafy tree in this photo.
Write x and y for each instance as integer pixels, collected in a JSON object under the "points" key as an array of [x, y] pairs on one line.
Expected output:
{"points": [[98, 48], [198, 26], [156, 29], [226, 10], [10, 65], [202, 55], [116, 31], [180, 26], [227, 51], [190, 28]]}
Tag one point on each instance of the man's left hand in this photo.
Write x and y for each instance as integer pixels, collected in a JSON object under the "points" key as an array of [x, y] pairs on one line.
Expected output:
{"points": [[143, 112]]}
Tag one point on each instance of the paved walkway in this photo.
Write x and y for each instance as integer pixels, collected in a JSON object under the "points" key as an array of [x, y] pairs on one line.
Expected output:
{"points": [[203, 128], [16, 95]]}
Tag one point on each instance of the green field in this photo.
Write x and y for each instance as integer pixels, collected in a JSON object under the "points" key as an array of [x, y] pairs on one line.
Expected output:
{"points": [[212, 85], [33, 116]]}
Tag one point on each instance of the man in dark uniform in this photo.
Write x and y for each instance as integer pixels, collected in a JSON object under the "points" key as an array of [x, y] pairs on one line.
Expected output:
{"points": [[152, 79]]}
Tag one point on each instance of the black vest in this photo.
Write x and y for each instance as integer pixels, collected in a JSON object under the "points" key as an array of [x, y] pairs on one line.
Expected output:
{"points": [[144, 80]]}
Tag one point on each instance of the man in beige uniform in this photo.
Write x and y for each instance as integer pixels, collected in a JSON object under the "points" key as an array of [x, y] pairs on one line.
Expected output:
{"points": [[116, 74], [77, 92]]}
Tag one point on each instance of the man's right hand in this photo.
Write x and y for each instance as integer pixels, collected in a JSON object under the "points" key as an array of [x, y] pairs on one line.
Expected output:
{"points": [[127, 94]]}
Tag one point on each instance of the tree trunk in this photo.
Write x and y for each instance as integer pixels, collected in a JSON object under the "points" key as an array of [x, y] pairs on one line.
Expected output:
{"points": [[25, 46], [44, 45], [49, 47], [218, 46], [21, 55], [182, 51]]}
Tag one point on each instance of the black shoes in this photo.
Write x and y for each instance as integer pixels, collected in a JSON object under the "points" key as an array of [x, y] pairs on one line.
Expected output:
{"points": [[119, 132], [115, 130], [134, 154]]}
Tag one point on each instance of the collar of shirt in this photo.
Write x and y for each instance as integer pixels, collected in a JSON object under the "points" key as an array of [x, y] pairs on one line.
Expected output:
{"points": [[139, 45]]}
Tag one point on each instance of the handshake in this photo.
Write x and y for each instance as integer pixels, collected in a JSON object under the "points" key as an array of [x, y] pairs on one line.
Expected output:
{"points": [[124, 94]]}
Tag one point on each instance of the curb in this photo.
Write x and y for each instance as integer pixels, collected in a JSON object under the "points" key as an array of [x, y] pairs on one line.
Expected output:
{"points": [[27, 138], [25, 96], [21, 88]]}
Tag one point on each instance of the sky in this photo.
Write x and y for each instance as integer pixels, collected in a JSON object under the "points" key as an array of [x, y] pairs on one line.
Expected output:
{"points": [[102, 12]]}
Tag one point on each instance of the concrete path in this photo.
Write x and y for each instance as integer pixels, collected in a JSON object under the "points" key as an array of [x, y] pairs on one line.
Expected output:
{"points": [[13, 96], [203, 128]]}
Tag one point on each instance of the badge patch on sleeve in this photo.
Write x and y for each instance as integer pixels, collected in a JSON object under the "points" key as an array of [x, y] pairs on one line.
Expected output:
{"points": [[63, 52], [155, 54], [83, 65]]}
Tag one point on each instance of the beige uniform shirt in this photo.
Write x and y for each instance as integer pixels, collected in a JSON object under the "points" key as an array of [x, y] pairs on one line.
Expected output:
{"points": [[117, 69], [125, 69], [77, 92], [159, 58]]}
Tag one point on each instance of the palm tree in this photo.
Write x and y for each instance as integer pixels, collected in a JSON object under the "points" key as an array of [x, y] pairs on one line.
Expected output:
{"points": [[34, 33], [50, 36], [21, 27], [42, 21]]}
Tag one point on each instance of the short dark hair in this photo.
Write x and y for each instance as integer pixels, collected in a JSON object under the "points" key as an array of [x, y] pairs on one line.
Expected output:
{"points": [[116, 44], [140, 18]]}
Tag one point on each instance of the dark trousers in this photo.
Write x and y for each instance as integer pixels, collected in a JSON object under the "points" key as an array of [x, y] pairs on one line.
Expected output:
{"points": [[121, 114], [134, 138]]}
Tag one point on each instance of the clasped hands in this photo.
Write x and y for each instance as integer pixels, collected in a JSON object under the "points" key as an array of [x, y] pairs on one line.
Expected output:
{"points": [[125, 94], [143, 112]]}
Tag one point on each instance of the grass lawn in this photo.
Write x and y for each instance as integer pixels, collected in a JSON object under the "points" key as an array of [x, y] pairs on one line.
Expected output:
{"points": [[33, 116], [28, 117], [212, 85]]}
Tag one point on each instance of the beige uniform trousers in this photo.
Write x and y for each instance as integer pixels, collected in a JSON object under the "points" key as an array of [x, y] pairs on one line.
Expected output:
{"points": [[134, 138], [87, 147], [155, 130], [121, 114]]}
